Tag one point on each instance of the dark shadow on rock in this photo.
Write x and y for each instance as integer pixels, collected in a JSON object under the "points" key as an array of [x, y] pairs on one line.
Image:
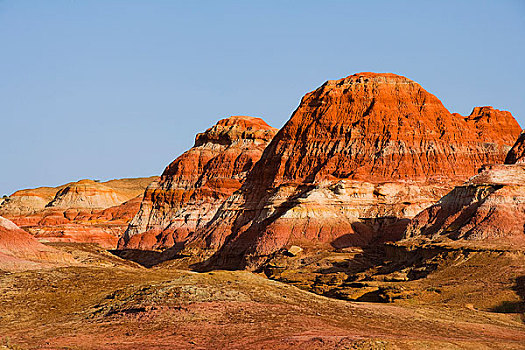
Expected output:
{"points": [[448, 207], [149, 258], [236, 248], [514, 307], [369, 233], [370, 256]]}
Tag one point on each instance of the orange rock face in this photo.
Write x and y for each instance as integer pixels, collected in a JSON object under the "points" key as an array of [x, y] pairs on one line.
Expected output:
{"points": [[489, 209], [19, 250], [358, 157], [85, 211], [193, 186]]}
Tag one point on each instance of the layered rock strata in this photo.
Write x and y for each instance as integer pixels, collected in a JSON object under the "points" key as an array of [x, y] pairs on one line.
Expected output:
{"points": [[489, 209], [86, 211], [358, 157], [193, 186]]}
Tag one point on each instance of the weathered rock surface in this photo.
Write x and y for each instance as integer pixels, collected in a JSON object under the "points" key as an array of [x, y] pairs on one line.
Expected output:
{"points": [[24, 202], [193, 186], [488, 209], [19, 250], [359, 156], [86, 194], [85, 211]]}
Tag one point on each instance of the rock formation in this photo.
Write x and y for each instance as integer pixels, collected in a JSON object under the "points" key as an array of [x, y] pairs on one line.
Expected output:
{"points": [[489, 209], [19, 250], [359, 156], [86, 211], [86, 194], [193, 186]]}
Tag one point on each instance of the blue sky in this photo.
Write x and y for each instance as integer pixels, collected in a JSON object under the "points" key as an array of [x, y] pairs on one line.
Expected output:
{"points": [[110, 89]]}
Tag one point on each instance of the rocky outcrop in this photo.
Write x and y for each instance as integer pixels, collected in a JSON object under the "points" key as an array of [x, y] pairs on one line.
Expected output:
{"points": [[86, 194], [86, 211], [359, 157], [19, 250], [29, 201], [193, 186], [488, 209]]}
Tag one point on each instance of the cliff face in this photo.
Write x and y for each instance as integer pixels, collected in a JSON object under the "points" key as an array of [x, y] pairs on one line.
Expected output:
{"points": [[192, 187], [359, 156], [488, 209], [85, 211]]}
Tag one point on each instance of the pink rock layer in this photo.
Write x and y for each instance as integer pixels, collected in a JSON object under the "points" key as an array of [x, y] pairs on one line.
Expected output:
{"points": [[20, 251]]}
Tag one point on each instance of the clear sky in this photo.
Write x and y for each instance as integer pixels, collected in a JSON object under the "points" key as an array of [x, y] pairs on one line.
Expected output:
{"points": [[109, 89]]}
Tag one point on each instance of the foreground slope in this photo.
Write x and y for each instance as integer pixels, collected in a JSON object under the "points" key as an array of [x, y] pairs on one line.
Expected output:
{"points": [[192, 187], [359, 157], [19, 250], [101, 308]]}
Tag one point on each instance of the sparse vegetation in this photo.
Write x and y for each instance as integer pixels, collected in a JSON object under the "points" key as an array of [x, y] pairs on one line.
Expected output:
{"points": [[109, 302]]}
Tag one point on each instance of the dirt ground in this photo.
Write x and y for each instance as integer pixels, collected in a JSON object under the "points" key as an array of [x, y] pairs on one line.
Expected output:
{"points": [[110, 303]]}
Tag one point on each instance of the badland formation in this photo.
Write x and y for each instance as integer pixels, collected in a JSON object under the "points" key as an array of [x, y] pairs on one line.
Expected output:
{"points": [[373, 219]]}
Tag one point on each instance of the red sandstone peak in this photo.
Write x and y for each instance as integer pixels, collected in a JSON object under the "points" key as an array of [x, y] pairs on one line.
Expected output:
{"points": [[346, 138], [193, 186], [234, 129], [245, 122], [361, 126], [517, 153]]}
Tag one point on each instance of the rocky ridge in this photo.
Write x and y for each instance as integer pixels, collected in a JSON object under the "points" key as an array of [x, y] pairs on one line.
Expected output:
{"points": [[192, 187]]}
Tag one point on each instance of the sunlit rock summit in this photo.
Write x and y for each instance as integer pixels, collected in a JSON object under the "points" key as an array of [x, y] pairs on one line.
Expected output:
{"points": [[358, 157]]}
